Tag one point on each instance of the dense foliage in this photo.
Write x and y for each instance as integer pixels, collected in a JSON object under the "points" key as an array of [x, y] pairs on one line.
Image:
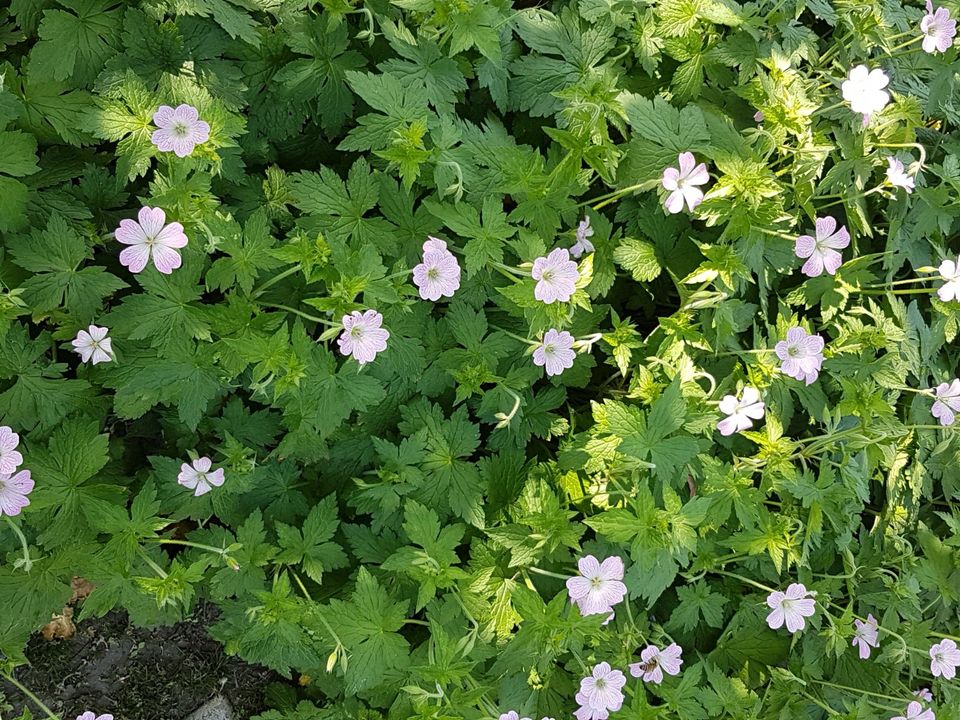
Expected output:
{"points": [[389, 513]]}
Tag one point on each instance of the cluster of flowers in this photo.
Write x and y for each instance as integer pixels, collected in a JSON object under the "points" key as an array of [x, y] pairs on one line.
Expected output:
{"points": [[595, 591], [796, 604], [598, 587]]}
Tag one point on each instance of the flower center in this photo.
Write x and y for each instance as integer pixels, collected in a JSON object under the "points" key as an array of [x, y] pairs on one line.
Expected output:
{"points": [[793, 351], [595, 583], [180, 128], [356, 332], [547, 276], [786, 605], [600, 684], [433, 273], [550, 349]]}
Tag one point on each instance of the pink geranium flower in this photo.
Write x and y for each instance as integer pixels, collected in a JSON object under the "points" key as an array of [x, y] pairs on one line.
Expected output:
{"points": [[947, 404], [944, 659], [197, 477], [93, 345], [822, 249], [10, 457], [93, 716], [682, 183], [915, 711], [938, 29], [740, 412], [790, 608], [599, 586], [801, 355], [439, 273], [583, 244], [865, 636], [555, 351], [13, 492], [362, 336], [151, 238], [654, 662], [512, 715], [600, 693], [556, 276], [180, 129], [924, 694]]}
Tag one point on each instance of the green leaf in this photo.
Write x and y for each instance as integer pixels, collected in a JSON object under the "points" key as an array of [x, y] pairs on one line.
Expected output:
{"points": [[698, 605], [639, 258], [310, 545], [63, 472], [248, 254], [76, 44], [486, 233], [54, 256], [19, 157], [368, 626]]}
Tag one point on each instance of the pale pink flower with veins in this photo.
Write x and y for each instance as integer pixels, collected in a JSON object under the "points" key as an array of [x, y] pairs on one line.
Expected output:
{"points": [[950, 274], [197, 477], [362, 336], [915, 711], [583, 244], [555, 351], [654, 662], [599, 586], [740, 412], [180, 129], [438, 275], [944, 659], [822, 249], [10, 457], [512, 715], [93, 345], [938, 29], [13, 492], [801, 355], [151, 238], [600, 693], [924, 694], [556, 276], [682, 183], [865, 636], [790, 608], [947, 404], [92, 716]]}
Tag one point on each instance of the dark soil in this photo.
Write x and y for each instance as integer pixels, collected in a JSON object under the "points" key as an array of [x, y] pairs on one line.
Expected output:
{"points": [[164, 673]]}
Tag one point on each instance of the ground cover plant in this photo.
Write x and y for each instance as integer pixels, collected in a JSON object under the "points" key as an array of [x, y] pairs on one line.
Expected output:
{"points": [[480, 360]]}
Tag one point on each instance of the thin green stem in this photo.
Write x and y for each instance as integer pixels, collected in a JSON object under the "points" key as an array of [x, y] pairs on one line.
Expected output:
{"points": [[904, 44], [257, 292], [305, 316], [149, 561], [27, 560], [27, 693], [528, 341], [548, 573], [612, 197], [837, 686]]}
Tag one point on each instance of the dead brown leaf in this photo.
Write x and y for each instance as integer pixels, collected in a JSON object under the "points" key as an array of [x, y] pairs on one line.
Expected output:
{"points": [[81, 589], [60, 627]]}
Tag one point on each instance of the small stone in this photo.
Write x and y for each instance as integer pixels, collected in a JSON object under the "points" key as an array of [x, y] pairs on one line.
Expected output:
{"points": [[216, 709]]}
